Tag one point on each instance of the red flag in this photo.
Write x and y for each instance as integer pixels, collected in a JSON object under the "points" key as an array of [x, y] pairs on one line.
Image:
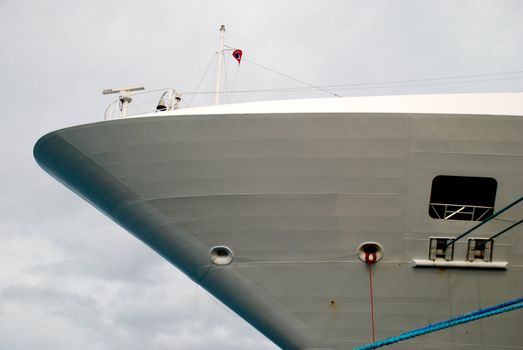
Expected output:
{"points": [[237, 54]]}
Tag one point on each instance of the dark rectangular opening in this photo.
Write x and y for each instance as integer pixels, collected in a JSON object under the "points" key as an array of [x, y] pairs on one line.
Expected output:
{"points": [[462, 197]]}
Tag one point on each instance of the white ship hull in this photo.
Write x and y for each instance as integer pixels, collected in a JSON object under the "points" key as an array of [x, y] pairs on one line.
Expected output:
{"points": [[294, 193]]}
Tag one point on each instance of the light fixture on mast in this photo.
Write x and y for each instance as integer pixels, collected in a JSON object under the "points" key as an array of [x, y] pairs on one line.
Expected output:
{"points": [[125, 96]]}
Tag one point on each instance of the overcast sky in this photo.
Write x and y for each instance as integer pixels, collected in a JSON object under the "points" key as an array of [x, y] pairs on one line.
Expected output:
{"points": [[72, 279]]}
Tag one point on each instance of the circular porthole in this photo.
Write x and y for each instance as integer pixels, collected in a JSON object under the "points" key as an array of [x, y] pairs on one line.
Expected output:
{"points": [[370, 252], [221, 255]]}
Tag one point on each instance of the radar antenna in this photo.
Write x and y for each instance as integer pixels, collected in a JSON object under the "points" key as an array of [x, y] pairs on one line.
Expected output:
{"points": [[124, 96]]}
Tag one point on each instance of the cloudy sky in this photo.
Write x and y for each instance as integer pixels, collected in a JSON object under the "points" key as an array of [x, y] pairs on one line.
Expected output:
{"points": [[69, 277]]}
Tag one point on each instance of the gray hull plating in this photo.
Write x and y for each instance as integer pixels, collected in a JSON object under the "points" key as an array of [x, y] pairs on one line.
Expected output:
{"points": [[293, 196]]}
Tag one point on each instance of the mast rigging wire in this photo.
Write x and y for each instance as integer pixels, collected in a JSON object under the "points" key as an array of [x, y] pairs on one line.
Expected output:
{"points": [[286, 75], [431, 79], [371, 85], [363, 86], [292, 78], [201, 80]]}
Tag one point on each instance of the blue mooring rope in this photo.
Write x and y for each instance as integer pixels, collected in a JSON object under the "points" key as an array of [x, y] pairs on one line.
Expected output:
{"points": [[510, 305]]}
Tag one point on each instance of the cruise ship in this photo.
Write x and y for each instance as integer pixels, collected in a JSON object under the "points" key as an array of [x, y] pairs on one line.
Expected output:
{"points": [[324, 223]]}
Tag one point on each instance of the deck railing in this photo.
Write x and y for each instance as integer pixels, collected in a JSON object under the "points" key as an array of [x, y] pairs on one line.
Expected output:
{"points": [[452, 211]]}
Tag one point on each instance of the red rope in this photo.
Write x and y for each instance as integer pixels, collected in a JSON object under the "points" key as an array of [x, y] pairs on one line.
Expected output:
{"points": [[370, 259], [371, 302]]}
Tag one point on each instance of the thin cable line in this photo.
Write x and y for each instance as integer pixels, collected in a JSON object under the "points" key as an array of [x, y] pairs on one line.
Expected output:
{"points": [[323, 87], [234, 82], [371, 302], [201, 80], [362, 86], [292, 78], [286, 75], [354, 86], [431, 84], [225, 68], [195, 310], [347, 87], [429, 79]]}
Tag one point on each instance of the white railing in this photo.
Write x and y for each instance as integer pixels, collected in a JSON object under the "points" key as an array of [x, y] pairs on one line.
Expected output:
{"points": [[451, 211], [143, 102]]}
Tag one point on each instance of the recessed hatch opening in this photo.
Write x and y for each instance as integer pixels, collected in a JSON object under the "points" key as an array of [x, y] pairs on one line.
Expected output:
{"points": [[465, 198]]}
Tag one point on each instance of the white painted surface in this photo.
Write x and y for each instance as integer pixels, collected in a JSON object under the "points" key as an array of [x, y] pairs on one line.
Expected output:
{"points": [[474, 104], [461, 264]]}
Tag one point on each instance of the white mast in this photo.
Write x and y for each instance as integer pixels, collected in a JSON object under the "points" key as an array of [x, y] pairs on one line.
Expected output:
{"points": [[219, 70]]}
